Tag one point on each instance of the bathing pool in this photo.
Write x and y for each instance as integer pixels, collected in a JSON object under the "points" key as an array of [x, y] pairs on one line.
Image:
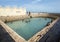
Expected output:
{"points": [[28, 27]]}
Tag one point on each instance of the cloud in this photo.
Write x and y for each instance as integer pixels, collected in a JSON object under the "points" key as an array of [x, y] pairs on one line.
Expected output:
{"points": [[45, 7], [31, 3], [36, 1]]}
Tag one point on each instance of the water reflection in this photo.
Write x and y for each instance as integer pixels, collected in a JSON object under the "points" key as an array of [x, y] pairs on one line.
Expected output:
{"points": [[26, 21]]}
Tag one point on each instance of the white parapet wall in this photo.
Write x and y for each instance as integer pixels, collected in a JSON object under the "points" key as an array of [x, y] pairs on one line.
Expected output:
{"points": [[12, 11]]}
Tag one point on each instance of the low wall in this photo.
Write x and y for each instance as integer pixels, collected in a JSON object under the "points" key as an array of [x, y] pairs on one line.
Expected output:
{"points": [[44, 15], [12, 33], [41, 33], [13, 18], [50, 14]]}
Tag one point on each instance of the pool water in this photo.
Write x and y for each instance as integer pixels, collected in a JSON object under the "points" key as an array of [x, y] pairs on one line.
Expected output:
{"points": [[28, 27]]}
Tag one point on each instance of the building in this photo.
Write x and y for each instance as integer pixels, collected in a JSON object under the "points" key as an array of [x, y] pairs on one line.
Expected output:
{"points": [[12, 11]]}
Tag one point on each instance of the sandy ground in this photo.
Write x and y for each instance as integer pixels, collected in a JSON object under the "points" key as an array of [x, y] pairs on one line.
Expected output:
{"points": [[4, 36], [53, 35]]}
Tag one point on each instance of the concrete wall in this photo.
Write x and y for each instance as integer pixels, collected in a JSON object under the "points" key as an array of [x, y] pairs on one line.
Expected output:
{"points": [[8, 11]]}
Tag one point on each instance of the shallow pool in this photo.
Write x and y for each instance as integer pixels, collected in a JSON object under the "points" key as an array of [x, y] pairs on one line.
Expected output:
{"points": [[28, 27]]}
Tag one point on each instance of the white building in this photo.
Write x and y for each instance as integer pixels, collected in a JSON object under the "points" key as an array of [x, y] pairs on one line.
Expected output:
{"points": [[8, 11]]}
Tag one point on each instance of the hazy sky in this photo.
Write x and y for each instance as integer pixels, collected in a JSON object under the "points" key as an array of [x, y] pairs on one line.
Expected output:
{"points": [[34, 5]]}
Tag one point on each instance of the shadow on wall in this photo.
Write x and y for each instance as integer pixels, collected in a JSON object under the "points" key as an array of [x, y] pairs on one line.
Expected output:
{"points": [[54, 14]]}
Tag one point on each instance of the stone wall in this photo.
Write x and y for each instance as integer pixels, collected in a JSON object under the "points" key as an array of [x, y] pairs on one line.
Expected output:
{"points": [[53, 35], [41, 33], [13, 18], [13, 34], [44, 15], [19, 17]]}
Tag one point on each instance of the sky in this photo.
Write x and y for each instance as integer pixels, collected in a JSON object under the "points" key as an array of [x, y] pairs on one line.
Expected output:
{"points": [[50, 6]]}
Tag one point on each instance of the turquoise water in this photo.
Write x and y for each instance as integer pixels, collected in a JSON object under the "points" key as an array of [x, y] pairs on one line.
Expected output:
{"points": [[28, 27]]}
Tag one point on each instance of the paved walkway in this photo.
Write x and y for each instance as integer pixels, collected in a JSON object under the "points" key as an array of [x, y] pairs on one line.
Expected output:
{"points": [[4, 36], [53, 35]]}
